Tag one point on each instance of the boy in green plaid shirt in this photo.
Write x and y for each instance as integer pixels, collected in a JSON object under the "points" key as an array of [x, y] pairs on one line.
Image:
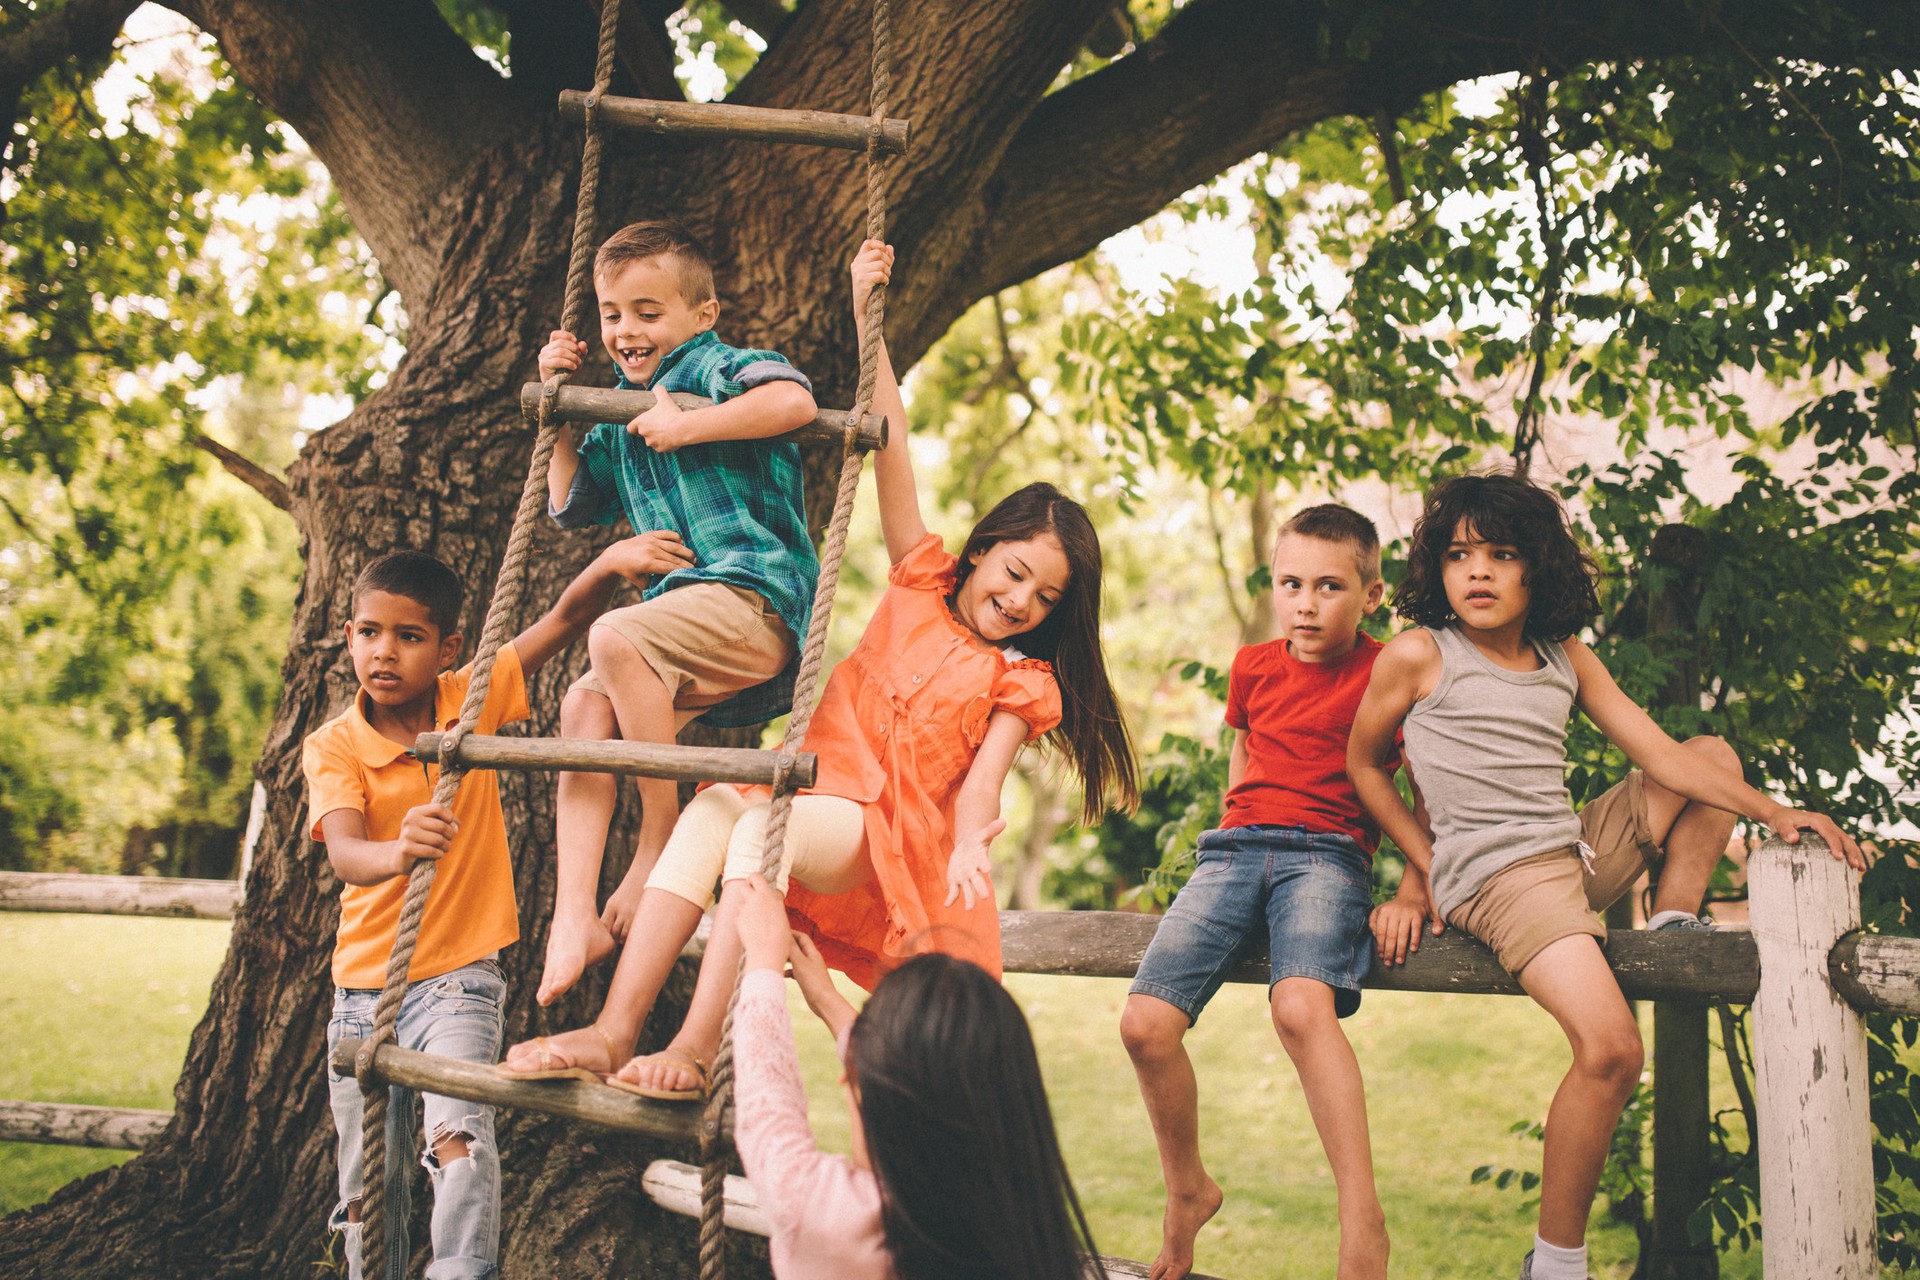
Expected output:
{"points": [[732, 570]]}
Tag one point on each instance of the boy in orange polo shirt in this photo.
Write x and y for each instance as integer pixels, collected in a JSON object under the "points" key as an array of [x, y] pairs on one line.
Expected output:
{"points": [[368, 800]]}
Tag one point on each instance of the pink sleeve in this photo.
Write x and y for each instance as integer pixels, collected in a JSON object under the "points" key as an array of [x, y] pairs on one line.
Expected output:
{"points": [[927, 567], [813, 1199]]}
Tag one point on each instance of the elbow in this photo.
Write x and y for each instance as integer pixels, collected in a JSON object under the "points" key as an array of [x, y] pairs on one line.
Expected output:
{"points": [[796, 408]]}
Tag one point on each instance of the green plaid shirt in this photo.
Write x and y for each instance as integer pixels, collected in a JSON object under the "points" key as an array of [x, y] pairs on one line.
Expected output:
{"points": [[737, 504]]}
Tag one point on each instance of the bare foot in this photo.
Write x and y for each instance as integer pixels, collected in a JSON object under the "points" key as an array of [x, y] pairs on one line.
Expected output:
{"points": [[1363, 1249], [623, 904], [583, 1047], [575, 942], [1185, 1215], [678, 1068]]}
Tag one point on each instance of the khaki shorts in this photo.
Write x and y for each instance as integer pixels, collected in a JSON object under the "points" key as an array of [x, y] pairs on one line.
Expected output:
{"points": [[1549, 896], [707, 641]]}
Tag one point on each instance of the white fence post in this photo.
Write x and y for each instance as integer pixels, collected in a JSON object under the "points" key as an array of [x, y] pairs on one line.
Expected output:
{"points": [[1810, 1069]]}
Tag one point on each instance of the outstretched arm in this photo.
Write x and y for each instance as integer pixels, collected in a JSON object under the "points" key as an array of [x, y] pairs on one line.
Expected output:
{"points": [[1631, 729], [976, 811], [900, 520]]}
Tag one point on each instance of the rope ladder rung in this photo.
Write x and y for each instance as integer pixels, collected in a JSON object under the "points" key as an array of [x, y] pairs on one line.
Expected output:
{"points": [[609, 404], [636, 759], [728, 120]]}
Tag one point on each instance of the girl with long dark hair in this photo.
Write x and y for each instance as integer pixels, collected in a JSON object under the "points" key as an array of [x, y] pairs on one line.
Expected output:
{"points": [[966, 659], [956, 1172]]}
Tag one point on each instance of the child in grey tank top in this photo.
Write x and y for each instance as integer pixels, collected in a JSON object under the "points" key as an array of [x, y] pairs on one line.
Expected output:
{"points": [[1482, 690]]}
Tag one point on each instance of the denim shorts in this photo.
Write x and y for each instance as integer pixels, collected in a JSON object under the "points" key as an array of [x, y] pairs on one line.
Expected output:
{"points": [[1307, 892]]}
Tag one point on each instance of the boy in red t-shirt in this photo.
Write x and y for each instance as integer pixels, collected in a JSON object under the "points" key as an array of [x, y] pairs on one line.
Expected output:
{"points": [[1290, 861]]}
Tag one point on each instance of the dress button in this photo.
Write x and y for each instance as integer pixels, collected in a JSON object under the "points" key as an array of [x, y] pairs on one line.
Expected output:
{"points": [[916, 679]]}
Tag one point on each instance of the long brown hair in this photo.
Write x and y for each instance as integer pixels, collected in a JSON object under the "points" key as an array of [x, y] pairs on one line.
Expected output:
{"points": [[959, 1132], [1092, 733]]}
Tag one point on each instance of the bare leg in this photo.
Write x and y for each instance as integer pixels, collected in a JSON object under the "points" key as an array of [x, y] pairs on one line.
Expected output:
{"points": [[1303, 1014], [643, 708], [699, 1035], [1154, 1031], [582, 810], [1571, 981], [1694, 835]]}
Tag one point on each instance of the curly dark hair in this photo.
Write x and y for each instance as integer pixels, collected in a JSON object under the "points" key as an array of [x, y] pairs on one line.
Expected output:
{"points": [[1506, 509]]}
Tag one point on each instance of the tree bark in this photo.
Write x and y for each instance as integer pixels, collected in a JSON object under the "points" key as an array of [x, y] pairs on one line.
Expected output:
{"points": [[462, 181]]}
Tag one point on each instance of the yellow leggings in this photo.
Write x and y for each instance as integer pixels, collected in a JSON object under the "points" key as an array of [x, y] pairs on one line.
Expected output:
{"points": [[721, 835]]}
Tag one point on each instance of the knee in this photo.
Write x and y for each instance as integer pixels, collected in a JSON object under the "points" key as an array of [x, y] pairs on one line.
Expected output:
{"points": [[608, 652], [586, 714], [1715, 751], [1615, 1057], [1301, 1013], [1151, 1034]]}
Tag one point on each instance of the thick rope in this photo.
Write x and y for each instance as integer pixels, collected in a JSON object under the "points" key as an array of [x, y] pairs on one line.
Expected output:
{"points": [[713, 1153], [501, 611]]}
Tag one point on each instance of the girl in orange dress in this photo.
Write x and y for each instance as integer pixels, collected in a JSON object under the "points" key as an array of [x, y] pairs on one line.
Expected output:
{"points": [[967, 659]]}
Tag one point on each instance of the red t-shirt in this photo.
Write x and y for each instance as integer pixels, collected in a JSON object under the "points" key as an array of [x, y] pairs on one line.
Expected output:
{"points": [[1297, 717]]}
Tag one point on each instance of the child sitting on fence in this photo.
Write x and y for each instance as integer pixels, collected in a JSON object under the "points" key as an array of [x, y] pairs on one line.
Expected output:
{"points": [[965, 660], [368, 798], [725, 506], [956, 1170], [1482, 692], [1290, 862]]}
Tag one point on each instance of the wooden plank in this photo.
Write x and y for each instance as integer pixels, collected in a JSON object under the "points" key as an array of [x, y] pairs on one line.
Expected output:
{"points": [[647, 759], [728, 120], [109, 1128], [1721, 966], [675, 1187], [1877, 974], [119, 895], [609, 404], [1810, 1070], [595, 1104]]}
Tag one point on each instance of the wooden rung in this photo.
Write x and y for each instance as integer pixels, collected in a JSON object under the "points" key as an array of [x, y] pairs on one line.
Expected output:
{"points": [[595, 1104], [675, 1187], [606, 404], [644, 759], [726, 120]]}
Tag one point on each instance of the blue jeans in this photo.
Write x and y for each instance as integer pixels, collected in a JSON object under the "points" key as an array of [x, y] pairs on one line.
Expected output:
{"points": [[456, 1015], [1307, 892]]}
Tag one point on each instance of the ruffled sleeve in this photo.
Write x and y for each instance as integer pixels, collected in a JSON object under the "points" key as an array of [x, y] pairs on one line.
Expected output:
{"points": [[927, 567], [1026, 688]]}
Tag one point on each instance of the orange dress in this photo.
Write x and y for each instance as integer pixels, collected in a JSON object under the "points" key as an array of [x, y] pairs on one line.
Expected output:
{"points": [[897, 730]]}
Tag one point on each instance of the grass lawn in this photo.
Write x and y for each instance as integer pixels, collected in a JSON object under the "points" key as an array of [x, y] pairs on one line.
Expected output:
{"points": [[98, 1010]]}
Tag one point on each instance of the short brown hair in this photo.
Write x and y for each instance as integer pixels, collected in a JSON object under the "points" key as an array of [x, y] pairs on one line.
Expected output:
{"points": [[426, 580], [638, 241], [1331, 522]]}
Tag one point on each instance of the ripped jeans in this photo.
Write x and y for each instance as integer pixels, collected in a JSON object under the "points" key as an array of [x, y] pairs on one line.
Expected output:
{"points": [[456, 1015]]}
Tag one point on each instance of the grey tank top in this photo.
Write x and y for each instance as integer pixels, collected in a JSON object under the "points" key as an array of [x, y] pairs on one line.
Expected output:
{"points": [[1489, 749]]}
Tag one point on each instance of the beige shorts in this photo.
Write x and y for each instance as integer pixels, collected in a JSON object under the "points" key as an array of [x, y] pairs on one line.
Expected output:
{"points": [[1549, 896], [707, 641]]}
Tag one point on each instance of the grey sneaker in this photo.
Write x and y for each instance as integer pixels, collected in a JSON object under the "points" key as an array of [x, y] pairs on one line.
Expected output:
{"points": [[1685, 924]]}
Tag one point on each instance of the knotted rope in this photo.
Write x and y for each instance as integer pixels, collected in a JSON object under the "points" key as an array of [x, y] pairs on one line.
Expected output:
{"points": [[501, 611], [713, 1152]]}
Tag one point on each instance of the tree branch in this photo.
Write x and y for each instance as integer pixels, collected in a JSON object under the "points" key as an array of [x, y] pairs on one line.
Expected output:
{"points": [[394, 103], [247, 472], [82, 30]]}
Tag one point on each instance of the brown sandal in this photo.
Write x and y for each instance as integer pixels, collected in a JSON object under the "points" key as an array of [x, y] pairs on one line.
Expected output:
{"points": [[551, 1068], [683, 1058]]}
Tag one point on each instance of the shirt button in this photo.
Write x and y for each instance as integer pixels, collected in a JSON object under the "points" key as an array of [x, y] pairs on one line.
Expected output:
{"points": [[916, 679]]}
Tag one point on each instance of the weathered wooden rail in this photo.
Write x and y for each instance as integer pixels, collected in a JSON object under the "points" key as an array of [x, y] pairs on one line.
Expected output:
{"points": [[62, 1124], [119, 895]]}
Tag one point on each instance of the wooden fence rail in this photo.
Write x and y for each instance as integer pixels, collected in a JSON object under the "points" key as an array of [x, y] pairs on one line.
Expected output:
{"points": [[119, 895], [111, 1128]]}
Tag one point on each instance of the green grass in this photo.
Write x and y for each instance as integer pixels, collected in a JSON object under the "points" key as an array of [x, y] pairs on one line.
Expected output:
{"points": [[98, 1010]]}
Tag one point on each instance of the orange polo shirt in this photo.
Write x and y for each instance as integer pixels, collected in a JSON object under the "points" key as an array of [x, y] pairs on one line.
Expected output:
{"points": [[471, 912]]}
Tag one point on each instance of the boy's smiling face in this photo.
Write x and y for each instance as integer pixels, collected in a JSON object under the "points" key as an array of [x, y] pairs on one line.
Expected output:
{"points": [[644, 315], [398, 653], [1319, 596]]}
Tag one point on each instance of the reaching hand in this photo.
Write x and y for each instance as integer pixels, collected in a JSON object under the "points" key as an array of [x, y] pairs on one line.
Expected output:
{"points": [[665, 426], [562, 352], [970, 869], [872, 265], [426, 832], [1398, 923], [764, 933], [1789, 823], [647, 555]]}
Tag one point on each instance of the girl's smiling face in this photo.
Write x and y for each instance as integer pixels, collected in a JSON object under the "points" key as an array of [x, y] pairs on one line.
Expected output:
{"points": [[1486, 582], [1013, 587]]}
